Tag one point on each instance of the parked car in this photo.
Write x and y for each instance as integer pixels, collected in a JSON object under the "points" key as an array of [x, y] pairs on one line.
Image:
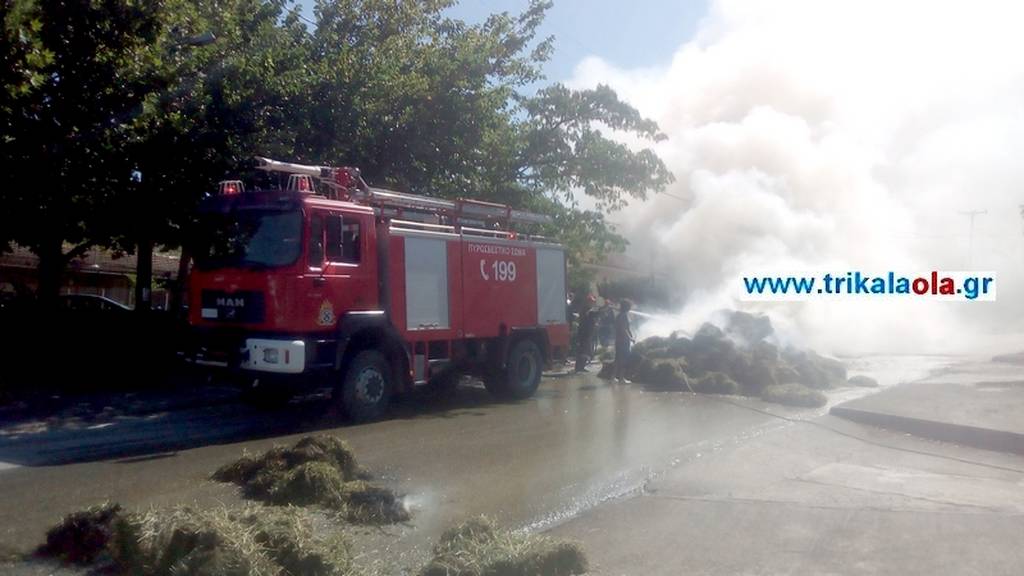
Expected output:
{"points": [[92, 303]]}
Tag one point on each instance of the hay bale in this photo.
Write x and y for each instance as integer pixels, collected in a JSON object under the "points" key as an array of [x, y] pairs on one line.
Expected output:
{"points": [[289, 538], [835, 369], [480, 529], [678, 346], [644, 371], [716, 383], [240, 471], [317, 470], [478, 548], [794, 395], [222, 542], [765, 351], [815, 370], [710, 351], [651, 346], [862, 381], [308, 483], [365, 503], [786, 374], [81, 537], [754, 375], [737, 360], [708, 333], [666, 376], [325, 448], [748, 328]]}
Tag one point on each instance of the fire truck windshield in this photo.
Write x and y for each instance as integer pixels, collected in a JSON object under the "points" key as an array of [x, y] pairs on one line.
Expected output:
{"points": [[249, 238]]}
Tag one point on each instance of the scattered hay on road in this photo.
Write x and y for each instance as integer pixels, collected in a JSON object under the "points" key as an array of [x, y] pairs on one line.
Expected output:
{"points": [[794, 395], [256, 541], [318, 470], [478, 548], [662, 375], [81, 537], [716, 383]]}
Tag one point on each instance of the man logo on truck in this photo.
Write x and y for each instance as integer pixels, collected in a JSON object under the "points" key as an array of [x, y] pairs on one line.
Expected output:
{"points": [[231, 302]]}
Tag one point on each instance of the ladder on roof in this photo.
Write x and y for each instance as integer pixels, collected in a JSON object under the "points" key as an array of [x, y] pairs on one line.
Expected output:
{"points": [[346, 184]]}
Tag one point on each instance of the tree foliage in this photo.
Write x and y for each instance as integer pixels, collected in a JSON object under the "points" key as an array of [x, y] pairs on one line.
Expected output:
{"points": [[96, 91], [77, 72]]}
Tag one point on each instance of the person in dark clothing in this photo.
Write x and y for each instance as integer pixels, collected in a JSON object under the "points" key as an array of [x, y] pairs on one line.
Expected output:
{"points": [[623, 340], [585, 335], [606, 325]]}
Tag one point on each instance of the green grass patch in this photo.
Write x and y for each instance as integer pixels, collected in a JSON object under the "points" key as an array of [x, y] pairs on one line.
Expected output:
{"points": [[478, 548]]}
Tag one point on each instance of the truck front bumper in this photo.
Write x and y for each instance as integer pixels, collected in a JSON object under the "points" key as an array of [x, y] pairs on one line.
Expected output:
{"points": [[278, 356], [269, 352]]}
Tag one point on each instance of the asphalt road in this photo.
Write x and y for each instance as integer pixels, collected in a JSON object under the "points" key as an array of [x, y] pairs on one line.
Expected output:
{"points": [[653, 483]]}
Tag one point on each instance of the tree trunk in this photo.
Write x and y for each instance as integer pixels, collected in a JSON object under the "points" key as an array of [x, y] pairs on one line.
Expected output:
{"points": [[143, 274], [180, 283]]}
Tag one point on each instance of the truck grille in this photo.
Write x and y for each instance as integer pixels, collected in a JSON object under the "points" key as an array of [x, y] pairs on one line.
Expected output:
{"points": [[241, 306]]}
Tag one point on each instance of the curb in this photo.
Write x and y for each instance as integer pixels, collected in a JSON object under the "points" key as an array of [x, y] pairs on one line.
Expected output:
{"points": [[984, 438]]}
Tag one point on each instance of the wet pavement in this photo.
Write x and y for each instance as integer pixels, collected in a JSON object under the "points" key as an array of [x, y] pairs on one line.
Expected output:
{"points": [[822, 496], [651, 482], [832, 498], [580, 441], [977, 403]]}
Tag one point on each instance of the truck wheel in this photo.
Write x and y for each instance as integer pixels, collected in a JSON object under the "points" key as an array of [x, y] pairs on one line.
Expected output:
{"points": [[365, 390], [522, 372]]}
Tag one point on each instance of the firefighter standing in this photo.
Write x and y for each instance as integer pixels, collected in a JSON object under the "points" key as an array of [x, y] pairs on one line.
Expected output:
{"points": [[585, 336], [606, 324]]}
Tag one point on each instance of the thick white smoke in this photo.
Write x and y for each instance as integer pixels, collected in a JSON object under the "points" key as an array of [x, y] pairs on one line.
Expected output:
{"points": [[826, 135]]}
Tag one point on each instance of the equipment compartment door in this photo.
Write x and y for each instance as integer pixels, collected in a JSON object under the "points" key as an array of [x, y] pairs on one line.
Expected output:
{"points": [[426, 283], [499, 286], [550, 286]]}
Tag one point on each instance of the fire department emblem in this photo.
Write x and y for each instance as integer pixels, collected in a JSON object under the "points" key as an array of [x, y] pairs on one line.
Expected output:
{"points": [[326, 315]]}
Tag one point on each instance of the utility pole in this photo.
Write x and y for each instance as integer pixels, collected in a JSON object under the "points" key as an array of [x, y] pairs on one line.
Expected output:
{"points": [[970, 244]]}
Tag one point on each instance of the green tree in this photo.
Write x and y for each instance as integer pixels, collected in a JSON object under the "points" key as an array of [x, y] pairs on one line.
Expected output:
{"points": [[76, 73], [96, 91], [98, 94], [431, 105], [217, 105]]}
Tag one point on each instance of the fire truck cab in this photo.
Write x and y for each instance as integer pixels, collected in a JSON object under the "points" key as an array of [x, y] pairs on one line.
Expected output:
{"points": [[371, 291]]}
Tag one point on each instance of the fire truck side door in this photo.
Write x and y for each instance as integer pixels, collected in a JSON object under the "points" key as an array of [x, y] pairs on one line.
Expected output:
{"points": [[349, 271]]}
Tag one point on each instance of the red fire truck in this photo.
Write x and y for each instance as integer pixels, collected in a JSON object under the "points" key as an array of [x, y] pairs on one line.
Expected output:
{"points": [[327, 280]]}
